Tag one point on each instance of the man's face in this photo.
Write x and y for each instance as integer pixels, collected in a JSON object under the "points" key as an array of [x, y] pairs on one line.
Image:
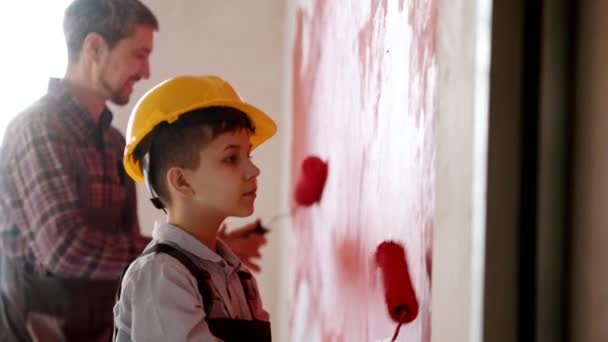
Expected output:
{"points": [[126, 63]]}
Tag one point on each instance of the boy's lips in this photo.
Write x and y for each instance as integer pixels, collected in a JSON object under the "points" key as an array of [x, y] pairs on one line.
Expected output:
{"points": [[251, 193]]}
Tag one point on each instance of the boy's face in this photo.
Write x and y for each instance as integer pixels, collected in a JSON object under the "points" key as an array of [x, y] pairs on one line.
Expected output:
{"points": [[225, 181]]}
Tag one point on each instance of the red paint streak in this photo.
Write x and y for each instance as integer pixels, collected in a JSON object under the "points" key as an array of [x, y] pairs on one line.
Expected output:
{"points": [[305, 70], [304, 77], [368, 54], [348, 259], [423, 20], [401, 3]]}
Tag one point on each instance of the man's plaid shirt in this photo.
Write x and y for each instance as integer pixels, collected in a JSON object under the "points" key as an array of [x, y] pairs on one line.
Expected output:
{"points": [[67, 207]]}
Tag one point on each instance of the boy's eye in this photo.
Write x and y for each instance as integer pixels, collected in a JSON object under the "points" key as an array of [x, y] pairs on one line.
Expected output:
{"points": [[231, 159]]}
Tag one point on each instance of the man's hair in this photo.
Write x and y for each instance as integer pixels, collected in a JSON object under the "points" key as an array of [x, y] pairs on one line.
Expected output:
{"points": [[179, 143], [114, 20]]}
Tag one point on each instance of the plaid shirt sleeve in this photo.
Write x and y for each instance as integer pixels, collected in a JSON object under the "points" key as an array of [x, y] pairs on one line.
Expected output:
{"points": [[57, 232]]}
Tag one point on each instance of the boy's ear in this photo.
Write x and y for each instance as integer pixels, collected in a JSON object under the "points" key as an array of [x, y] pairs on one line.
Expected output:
{"points": [[178, 182]]}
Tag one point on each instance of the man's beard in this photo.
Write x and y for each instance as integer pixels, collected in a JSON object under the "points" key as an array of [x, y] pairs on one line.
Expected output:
{"points": [[116, 96], [119, 99]]}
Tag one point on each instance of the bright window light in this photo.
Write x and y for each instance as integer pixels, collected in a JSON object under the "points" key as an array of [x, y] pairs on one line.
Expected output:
{"points": [[33, 49]]}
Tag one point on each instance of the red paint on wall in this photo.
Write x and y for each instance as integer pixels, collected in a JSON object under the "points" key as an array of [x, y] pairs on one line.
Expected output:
{"points": [[364, 99]]}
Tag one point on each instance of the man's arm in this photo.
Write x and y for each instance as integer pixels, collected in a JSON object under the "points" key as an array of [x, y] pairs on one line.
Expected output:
{"points": [[246, 243]]}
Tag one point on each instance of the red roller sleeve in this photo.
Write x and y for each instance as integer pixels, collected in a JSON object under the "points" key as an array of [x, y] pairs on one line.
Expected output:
{"points": [[308, 190], [399, 293], [311, 182]]}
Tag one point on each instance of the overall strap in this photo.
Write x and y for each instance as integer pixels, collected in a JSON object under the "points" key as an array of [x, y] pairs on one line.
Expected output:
{"points": [[202, 277]]}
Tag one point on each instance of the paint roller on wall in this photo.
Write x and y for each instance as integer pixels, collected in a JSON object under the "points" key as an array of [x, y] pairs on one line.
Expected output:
{"points": [[399, 293], [308, 191]]}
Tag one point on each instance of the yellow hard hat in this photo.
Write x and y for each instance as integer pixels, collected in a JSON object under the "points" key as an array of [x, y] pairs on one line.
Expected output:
{"points": [[167, 101]]}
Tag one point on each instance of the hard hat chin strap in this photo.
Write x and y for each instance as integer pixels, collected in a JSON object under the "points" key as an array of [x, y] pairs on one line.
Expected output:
{"points": [[146, 167]]}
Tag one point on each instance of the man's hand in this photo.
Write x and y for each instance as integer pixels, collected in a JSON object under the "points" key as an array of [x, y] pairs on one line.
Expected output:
{"points": [[245, 242]]}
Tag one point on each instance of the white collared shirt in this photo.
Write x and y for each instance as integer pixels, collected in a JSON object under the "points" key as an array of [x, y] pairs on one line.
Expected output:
{"points": [[160, 300]]}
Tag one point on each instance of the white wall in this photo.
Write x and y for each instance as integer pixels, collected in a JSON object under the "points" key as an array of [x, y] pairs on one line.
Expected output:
{"points": [[461, 164], [243, 42]]}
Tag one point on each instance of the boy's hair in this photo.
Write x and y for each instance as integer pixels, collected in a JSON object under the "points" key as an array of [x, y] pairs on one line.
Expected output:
{"points": [[114, 20], [179, 143]]}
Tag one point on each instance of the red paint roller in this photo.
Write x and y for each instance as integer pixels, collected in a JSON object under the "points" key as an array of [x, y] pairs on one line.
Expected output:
{"points": [[399, 294], [309, 188]]}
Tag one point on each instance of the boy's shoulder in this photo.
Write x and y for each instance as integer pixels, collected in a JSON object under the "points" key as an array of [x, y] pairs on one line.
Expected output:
{"points": [[151, 266]]}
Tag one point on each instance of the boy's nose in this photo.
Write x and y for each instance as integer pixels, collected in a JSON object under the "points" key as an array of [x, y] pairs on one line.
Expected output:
{"points": [[252, 170]]}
